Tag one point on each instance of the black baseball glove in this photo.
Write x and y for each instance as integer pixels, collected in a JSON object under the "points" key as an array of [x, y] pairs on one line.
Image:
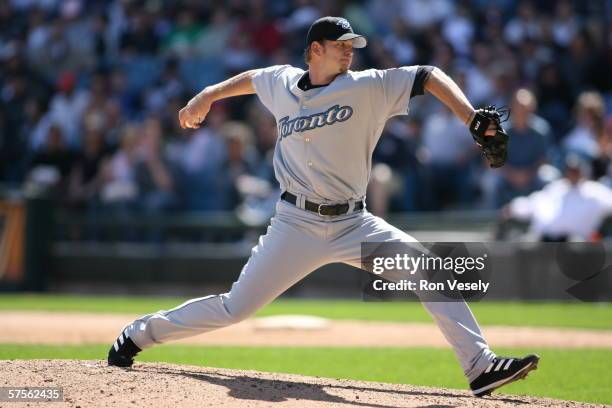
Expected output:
{"points": [[494, 148]]}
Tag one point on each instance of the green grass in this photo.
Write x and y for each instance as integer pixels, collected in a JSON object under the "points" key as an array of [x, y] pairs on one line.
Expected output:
{"points": [[553, 314], [579, 374]]}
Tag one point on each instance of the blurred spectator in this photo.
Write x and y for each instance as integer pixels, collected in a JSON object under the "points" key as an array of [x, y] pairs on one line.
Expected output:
{"points": [[264, 126], [527, 150], [240, 55], [303, 14], [582, 138], [168, 86], [263, 31], [360, 19], [571, 208], [444, 55], [214, 38], [240, 150], [12, 146], [67, 107], [140, 36], [504, 74], [424, 13], [96, 114], [51, 165], [128, 102], [152, 172], [242, 167], [554, 98], [38, 123], [202, 160], [51, 49], [449, 151], [119, 189], [114, 122], [524, 26], [459, 29], [101, 43], [599, 77], [578, 62], [260, 190], [381, 12], [602, 164], [478, 81], [399, 44], [180, 41], [566, 23], [85, 175], [90, 67], [398, 174], [531, 56], [38, 33], [12, 23]]}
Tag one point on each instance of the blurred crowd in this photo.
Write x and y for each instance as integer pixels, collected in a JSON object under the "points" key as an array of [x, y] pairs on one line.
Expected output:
{"points": [[90, 91]]}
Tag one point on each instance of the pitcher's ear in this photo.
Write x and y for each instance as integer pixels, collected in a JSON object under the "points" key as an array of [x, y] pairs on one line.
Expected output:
{"points": [[317, 48]]}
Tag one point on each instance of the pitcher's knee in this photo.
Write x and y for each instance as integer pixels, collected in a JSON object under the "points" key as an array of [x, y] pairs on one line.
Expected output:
{"points": [[237, 313], [236, 316]]}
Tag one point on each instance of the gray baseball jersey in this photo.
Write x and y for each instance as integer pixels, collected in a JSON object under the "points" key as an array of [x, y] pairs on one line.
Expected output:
{"points": [[327, 135], [324, 149]]}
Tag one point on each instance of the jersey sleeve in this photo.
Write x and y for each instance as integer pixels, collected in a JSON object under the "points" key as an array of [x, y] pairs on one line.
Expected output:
{"points": [[265, 81], [392, 94]]}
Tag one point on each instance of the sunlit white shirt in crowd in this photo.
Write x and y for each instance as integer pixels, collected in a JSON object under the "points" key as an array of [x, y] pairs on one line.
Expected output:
{"points": [[122, 185], [560, 209], [204, 150]]}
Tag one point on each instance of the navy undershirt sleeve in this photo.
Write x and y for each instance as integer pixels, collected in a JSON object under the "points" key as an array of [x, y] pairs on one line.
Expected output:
{"points": [[423, 72]]}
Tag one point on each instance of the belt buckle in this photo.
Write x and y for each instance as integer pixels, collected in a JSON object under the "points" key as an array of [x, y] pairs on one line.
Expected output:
{"points": [[319, 210]]}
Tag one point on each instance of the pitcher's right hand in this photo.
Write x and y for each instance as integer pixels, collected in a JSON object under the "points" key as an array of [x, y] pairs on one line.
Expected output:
{"points": [[194, 113]]}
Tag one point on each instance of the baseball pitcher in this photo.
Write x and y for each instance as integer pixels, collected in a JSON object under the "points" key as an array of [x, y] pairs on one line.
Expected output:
{"points": [[329, 120]]}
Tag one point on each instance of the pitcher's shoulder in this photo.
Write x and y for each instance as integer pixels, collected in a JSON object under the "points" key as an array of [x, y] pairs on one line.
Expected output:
{"points": [[367, 75], [280, 71], [291, 71], [364, 75], [373, 73]]}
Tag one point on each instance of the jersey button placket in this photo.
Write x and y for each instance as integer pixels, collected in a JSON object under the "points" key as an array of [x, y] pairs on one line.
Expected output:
{"points": [[306, 138], [307, 150]]}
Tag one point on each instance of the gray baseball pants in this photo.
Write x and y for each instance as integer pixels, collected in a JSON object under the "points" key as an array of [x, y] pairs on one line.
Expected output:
{"points": [[298, 242]]}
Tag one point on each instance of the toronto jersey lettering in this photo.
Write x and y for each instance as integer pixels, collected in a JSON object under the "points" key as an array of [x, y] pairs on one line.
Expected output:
{"points": [[329, 117], [327, 134]]}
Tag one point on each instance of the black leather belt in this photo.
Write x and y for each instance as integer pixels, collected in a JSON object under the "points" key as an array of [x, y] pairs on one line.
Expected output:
{"points": [[322, 209]]}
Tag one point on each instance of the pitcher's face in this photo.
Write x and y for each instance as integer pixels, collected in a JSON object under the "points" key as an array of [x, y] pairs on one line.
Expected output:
{"points": [[338, 55]]}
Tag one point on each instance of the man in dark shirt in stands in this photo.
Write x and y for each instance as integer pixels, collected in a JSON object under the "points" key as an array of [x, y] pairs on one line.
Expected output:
{"points": [[530, 137]]}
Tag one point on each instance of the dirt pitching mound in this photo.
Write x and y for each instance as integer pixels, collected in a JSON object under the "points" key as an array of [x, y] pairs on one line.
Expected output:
{"points": [[94, 384]]}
